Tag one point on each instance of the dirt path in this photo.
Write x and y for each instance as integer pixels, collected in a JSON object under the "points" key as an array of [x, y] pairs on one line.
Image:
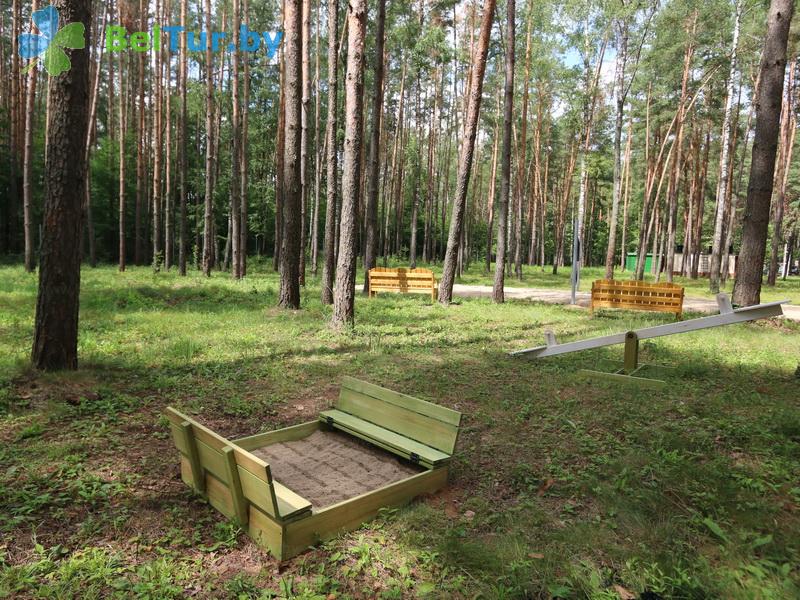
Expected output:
{"points": [[552, 296]]}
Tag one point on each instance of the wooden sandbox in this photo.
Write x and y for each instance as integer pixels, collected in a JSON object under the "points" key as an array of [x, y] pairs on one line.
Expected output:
{"points": [[294, 487]]}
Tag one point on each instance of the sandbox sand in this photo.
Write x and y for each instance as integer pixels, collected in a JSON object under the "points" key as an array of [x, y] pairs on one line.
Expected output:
{"points": [[329, 466]]}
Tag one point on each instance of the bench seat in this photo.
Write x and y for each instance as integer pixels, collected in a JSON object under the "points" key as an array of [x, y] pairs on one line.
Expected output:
{"points": [[385, 438]]}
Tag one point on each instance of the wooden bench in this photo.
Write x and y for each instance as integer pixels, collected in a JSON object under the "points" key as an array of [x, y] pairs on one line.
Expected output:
{"points": [[241, 485], [402, 281], [638, 295]]}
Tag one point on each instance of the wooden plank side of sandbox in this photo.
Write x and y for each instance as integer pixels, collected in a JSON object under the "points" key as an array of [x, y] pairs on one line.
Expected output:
{"points": [[287, 434], [256, 480], [350, 514], [262, 528]]}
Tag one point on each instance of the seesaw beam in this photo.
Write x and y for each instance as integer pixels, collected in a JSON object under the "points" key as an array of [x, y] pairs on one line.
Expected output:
{"points": [[727, 316]]}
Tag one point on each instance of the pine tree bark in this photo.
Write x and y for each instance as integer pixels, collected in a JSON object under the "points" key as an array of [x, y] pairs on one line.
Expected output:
{"points": [[236, 168], [467, 150], [280, 148], [747, 289], [27, 163], [522, 153], [243, 154], [498, 294], [55, 341], [158, 254], [677, 160], [317, 153], [138, 249], [331, 166], [209, 244], [787, 137], [292, 190], [621, 60], [121, 99], [306, 104], [373, 167], [344, 290], [724, 163], [183, 243]]}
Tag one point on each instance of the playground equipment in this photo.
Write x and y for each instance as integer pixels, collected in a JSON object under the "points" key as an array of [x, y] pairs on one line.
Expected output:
{"points": [[727, 316], [294, 487]]}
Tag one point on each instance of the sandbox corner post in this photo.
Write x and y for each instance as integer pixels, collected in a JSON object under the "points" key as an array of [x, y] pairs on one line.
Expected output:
{"points": [[235, 484], [198, 475]]}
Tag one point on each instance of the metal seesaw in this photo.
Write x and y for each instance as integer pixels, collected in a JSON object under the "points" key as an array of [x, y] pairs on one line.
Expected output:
{"points": [[727, 316]]}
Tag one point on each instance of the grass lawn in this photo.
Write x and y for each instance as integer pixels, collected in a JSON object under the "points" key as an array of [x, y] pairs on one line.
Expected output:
{"points": [[536, 277], [559, 488]]}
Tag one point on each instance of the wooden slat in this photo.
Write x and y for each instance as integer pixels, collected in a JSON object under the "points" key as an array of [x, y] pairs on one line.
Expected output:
{"points": [[266, 532], [401, 281], [243, 458], [186, 436], [287, 434], [423, 407], [256, 480], [638, 295], [235, 486], [386, 438], [350, 514], [407, 423]]}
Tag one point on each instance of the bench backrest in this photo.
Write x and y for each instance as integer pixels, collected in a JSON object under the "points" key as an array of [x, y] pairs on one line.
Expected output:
{"points": [[382, 277], [638, 295], [430, 424], [210, 454]]}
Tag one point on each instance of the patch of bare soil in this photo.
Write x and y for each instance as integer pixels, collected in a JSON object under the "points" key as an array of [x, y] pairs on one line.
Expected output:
{"points": [[328, 467]]}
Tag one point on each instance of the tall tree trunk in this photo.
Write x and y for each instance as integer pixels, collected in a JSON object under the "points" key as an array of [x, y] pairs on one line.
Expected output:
{"points": [[589, 109], [27, 163], [522, 152], [677, 160], [90, 134], [490, 208], [209, 243], [621, 60], [138, 248], [724, 163], [373, 167], [626, 183], [55, 340], [236, 168], [747, 289], [331, 166], [317, 153], [121, 99], [344, 291], [467, 150], [787, 136], [15, 110], [280, 150], [306, 104], [158, 255], [292, 188], [498, 294], [243, 154], [182, 150]]}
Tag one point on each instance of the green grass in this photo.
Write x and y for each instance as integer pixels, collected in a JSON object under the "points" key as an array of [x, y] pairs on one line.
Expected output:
{"points": [[560, 487]]}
